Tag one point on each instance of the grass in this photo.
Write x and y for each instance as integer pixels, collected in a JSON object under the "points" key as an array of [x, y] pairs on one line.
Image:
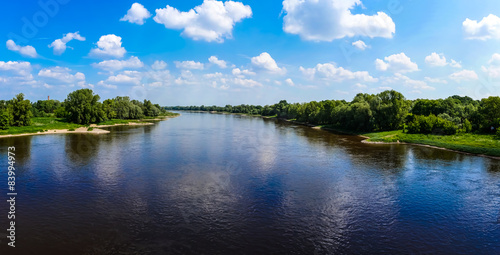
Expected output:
{"points": [[115, 121], [90, 129], [472, 143], [41, 124]]}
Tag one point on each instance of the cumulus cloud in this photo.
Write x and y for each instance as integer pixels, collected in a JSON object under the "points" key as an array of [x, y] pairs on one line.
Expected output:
{"points": [[265, 62], [464, 75], [242, 73], [116, 65], [28, 51], [436, 59], [493, 70], [130, 78], [327, 20], [189, 65], [290, 82], [336, 74], [435, 80], [487, 28], [248, 83], [136, 14], [16, 68], [159, 65], [109, 46], [210, 21], [398, 63], [218, 62], [406, 81], [59, 45], [16, 73], [360, 45], [61, 75], [455, 64]]}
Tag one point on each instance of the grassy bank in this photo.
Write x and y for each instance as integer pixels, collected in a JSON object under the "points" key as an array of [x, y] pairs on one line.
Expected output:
{"points": [[41, 124], [471, 143]]}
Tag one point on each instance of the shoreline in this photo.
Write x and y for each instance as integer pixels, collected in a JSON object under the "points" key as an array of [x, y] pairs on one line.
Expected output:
{"points": [[359, 135], [96, 129]]}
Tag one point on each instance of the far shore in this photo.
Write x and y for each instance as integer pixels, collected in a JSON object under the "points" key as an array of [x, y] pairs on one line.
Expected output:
{"points": [[366, 138], [96, 129]]}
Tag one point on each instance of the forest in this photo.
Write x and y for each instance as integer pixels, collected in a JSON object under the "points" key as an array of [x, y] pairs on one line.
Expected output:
{"points": [[80, 107], [386, 111]]}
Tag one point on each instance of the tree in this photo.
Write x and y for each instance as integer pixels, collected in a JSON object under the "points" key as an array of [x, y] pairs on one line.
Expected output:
{"points": [[490, 113], [83, 107], [21, 111], [389, 109]]}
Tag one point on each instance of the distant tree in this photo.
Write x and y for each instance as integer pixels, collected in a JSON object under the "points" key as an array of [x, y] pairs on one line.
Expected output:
{"points": [[21, 111], [83, 107]]}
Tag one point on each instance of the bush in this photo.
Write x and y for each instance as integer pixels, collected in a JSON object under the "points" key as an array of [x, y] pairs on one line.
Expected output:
{"points": [[418, 124], [5, 120], [497, 136]]}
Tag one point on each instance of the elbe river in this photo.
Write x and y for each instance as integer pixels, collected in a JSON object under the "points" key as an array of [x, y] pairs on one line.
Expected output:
{"points": [[226, 184]]}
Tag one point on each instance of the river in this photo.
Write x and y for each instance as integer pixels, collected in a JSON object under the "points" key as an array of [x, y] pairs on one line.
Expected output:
{"points": [[226, 184]]}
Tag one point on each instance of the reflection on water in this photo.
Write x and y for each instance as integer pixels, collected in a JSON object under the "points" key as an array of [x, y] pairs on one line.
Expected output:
{"points": [[223, 184]]}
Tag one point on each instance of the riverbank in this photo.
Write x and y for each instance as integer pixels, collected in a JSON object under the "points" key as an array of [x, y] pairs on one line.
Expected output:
{"points": [[50, 125], [472, 144]]}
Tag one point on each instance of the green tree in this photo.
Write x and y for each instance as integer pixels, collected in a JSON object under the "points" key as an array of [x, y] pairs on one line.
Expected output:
{"points": [[83, 107], [21, 111]]}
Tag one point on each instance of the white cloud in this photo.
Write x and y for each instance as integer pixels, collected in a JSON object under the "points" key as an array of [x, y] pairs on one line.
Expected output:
{"points": [[493, 70], [109, 46], [242, 73], [216, 61], [28, 51], [249, 83], [16, 73], [464, 75], [136, 14], [436, 59], [435, 80], [398, 63], [189, 65], [406, 81], [59, 45], [265, 62], [16, 68], [61, 75], [455, 64], [487, 28], [159, 65], [330, 72], [290, 82], [327, 20], [210, 21], [360, 45], [158, 78], [130, 78], [360, 86], [115, 65]]}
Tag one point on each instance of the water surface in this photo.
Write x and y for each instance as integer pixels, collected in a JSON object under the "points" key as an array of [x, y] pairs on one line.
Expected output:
{"points": [[224, 184]]}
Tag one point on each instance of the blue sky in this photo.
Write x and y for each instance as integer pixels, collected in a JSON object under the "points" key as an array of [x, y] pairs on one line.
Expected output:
{"points": [[252, 52]]}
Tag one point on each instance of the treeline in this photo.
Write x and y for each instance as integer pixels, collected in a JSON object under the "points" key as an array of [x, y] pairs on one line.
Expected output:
{"points": [[81, 107], [388, 110]]}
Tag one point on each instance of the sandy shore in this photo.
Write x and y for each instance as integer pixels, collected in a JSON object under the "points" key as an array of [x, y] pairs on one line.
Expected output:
{"points": [[80, 130]]}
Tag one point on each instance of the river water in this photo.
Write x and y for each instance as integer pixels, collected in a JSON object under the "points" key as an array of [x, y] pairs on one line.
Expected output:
{"points": [[225, 184]]}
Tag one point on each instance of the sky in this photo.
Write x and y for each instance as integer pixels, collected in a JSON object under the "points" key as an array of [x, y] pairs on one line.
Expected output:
{"points": [[249, 52]]}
